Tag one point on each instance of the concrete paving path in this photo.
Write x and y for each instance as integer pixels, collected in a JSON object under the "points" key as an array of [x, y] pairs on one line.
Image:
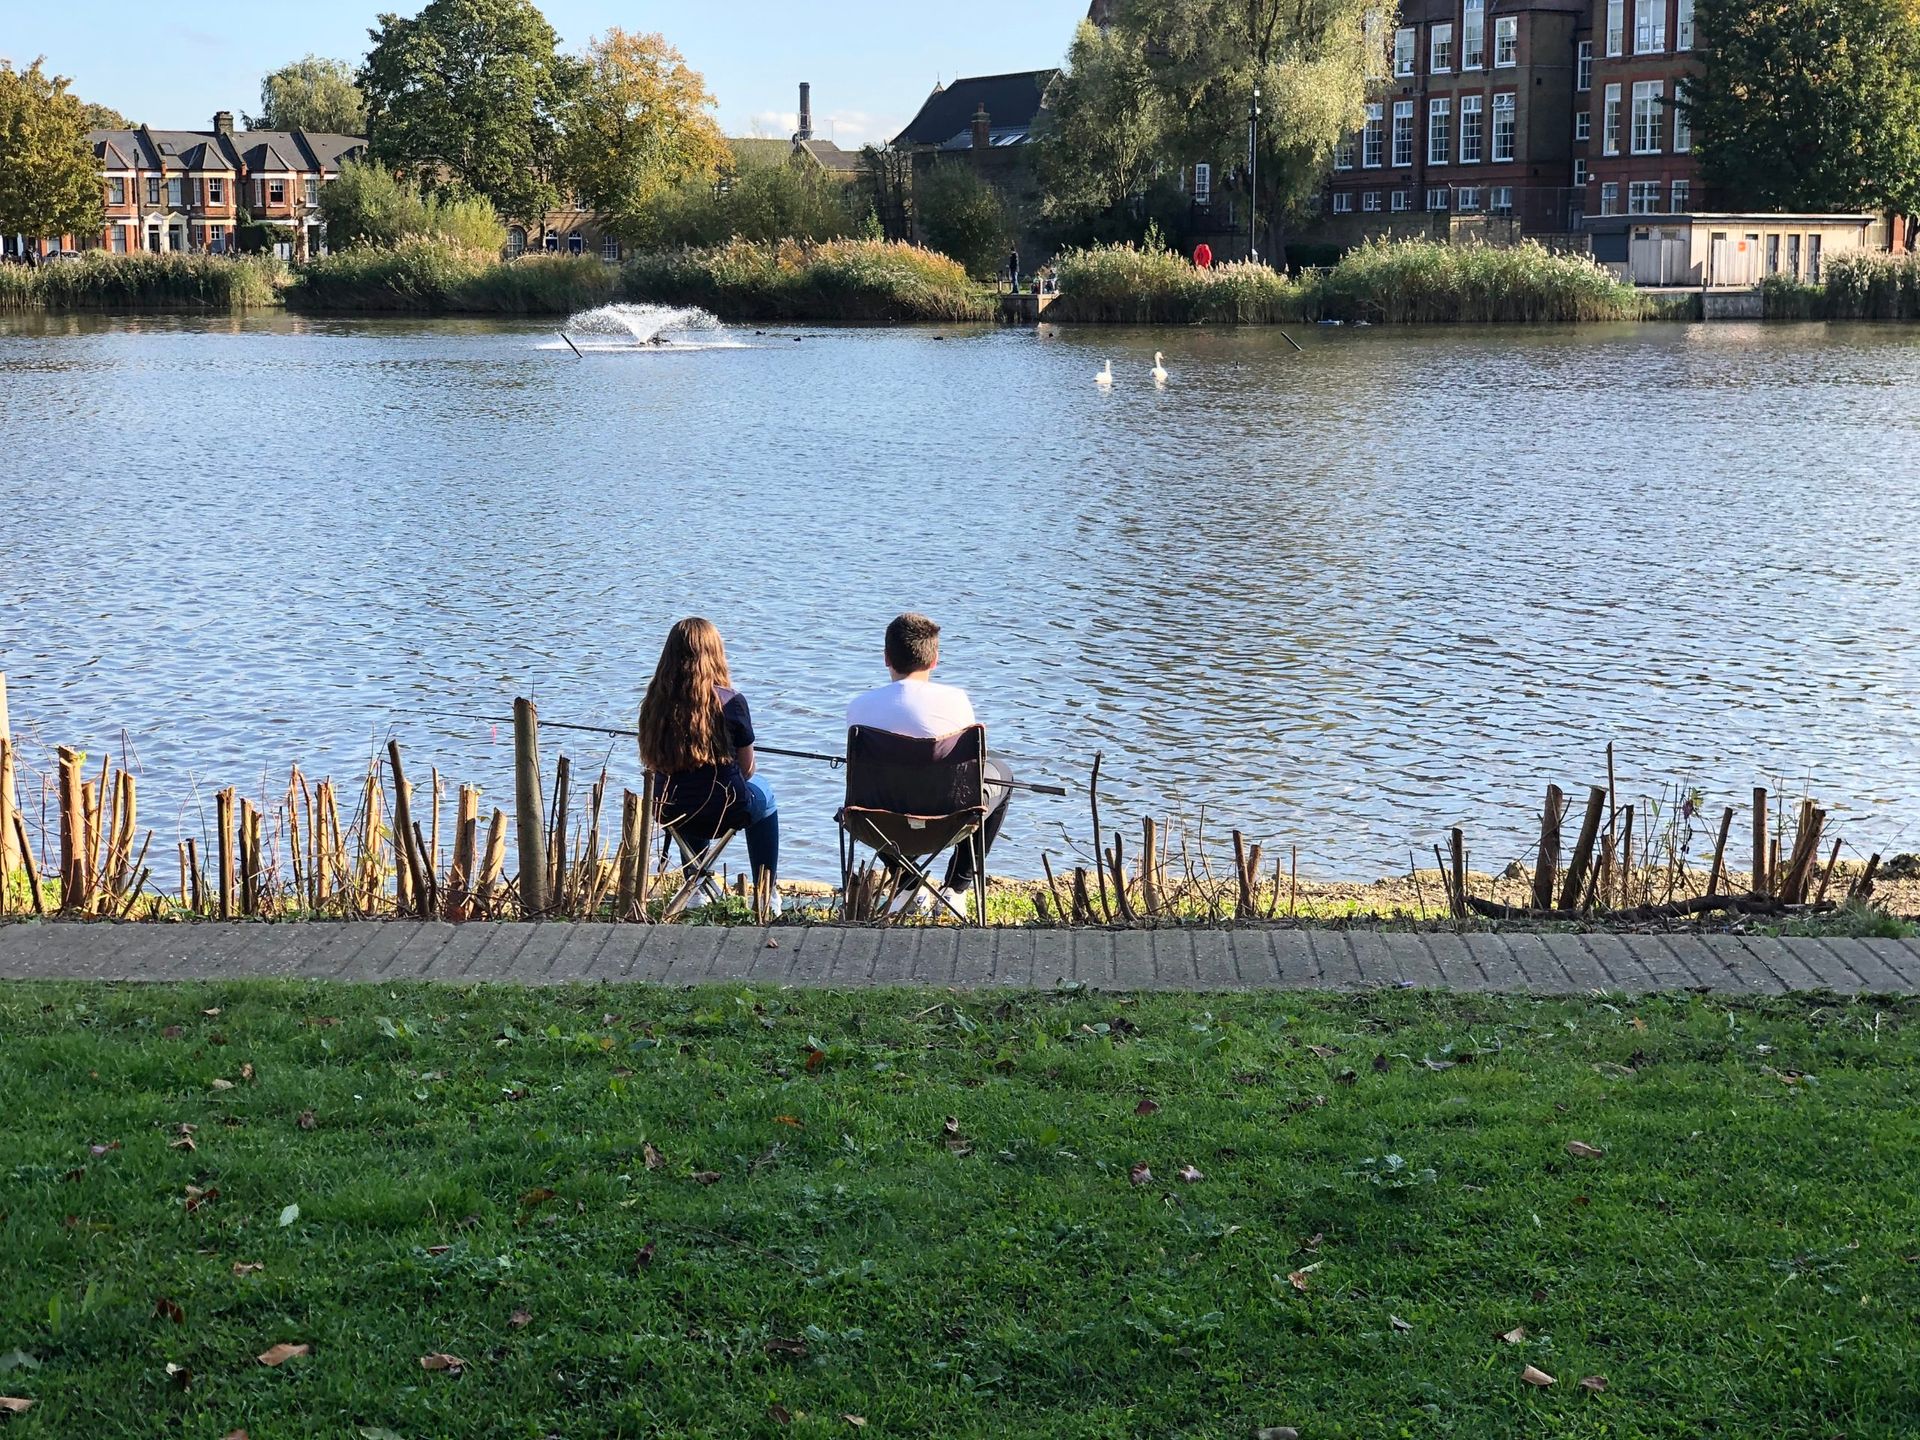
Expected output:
{"points": [[826, 955]]}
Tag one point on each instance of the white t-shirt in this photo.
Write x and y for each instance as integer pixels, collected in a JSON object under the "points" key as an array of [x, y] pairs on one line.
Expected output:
{"points": [[920, 708]]}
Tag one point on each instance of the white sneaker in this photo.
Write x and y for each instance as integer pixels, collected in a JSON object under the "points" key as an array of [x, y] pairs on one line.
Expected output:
{"points": [[960, 900], [773, 902], [910, 902]]}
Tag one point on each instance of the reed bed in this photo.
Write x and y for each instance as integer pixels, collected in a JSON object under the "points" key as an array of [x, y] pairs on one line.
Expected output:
{"points": [[1397, 282], [1856, 285], [424, 274], [145, 281], [847, 280]]}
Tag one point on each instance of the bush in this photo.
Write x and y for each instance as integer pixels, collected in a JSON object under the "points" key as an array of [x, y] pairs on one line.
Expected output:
{"points": [[1782, 297], [872, 280], [960, 215], [1394, 282], [764, 203], [144, 281], [422, 274], [370, 206], [1870, 285]]}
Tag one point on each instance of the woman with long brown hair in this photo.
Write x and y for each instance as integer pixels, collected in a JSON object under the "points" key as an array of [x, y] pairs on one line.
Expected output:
{"points": [[696, 735]]}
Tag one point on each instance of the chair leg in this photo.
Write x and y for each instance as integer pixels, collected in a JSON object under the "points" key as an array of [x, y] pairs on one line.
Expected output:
{"points": [[695, 875]]}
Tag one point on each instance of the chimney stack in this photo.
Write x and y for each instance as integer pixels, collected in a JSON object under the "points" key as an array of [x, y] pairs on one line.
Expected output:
{"points": [[223, 122], [982, 129], [806, 112]]}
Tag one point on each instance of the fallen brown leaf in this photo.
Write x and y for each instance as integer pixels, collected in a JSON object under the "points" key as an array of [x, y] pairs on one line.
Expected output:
{"points": [[520, 1319], [13, 1405], [1638, 1023], [1299, 1279], [1140, 1174], [1515, 1335], [280, 1354], [1580, 1150], [1146, 1107], [438, 1249], [859, 1422], [236, 1435], [244, 1268], [213, 1014], [196, 1197], [1276, 1432], [815, 1059], [537, 1197], [165, 1309], [643, 1257], [452, 1364], [305, 1122], [707, 1177], [1538, 1378], [222, 1084], [779, 1414], [180, 1375], [652, 1156], [171, 1032], [1325, 1052], [1189, 1174], [1539, 1297], [797, 1349], [185, 1142], [98, 1150], [1397, 1323], [1380, 1064], [952, 1137], [788, 1120], [246, 1073], [1346, 1077], [1595, 1383]]}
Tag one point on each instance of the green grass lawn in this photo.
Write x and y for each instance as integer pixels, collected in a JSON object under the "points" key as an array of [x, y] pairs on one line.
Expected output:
{"points": [[646, 1213]]}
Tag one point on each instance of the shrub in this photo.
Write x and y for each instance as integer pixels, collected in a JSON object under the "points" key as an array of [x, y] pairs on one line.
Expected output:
{"points": [[1129, 284], [431, 275], [959, 214], [764, 203], [370, 206], [1869, 285], [144, 281], [839, 280]]}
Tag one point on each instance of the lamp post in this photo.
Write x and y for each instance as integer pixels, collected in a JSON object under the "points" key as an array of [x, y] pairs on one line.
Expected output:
{"points": [[1253, 176]]}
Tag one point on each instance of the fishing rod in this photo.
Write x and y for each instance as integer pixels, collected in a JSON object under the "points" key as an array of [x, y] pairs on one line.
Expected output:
{"points": [[836, 761]]}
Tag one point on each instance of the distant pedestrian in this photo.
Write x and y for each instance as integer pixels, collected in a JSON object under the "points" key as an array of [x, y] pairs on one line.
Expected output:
{"points": [[1013, 269], [1203, 255]]}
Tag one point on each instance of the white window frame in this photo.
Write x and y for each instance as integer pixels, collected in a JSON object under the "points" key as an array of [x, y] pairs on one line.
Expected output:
{"points": [[1404, 140], [1610, 197], [1583, 66], [216, 191], [1440, 49], [1473, 130], [1505, 105], [1583, 125], [1649, 112], [610, 249], [1616, 28], [1473, 35], [1405, 47], [1344, 152], [1643, 197], [1439, 198], [1439, 129], [1683, 25], [1370, 202], [176, 192], [1610, 121], [1373, 137], [1343, 202], [281, 187], [1203, 183], [1680, 197], [1400, 201], [1500, 200], [1649, 27], [1682, 130], [1580, 175], [153, 192], [1506, 41], [116, 189], [1466, 200]]}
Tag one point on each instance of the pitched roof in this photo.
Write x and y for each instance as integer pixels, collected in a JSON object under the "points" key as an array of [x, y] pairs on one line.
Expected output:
{"points": [[115, 149], [832, 157], [1011, 102], [208, 150]]}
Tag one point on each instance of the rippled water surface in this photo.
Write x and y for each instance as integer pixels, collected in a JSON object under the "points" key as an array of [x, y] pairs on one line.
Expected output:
{"points": [[1346, 598]]}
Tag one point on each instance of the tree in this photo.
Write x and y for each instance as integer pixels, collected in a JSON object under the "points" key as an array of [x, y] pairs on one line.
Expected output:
{"points": [[49, 179], [787, 201], [104, 117], [1310, 60], [961, 216], [470, 94], [886, 184], [1105, 127], [638, 127], [371, 206], [311, 94], [1810, 105]]}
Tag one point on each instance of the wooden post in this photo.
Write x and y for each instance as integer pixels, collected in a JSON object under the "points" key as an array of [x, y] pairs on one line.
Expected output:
{"points": [[25, 852], [466, 843], [645, 874], [1760, 886], [632, 858], [1626, 859], [1720, 853], [1457, 842], [1573, 888], [1149, 863], [557, 838], [73, 863], [1243, 907], [323, 839], [223, 834], [10, 847], [1806, 854], [1546, 865], [494, 863], [407, 847], [531, 828], [1826, 876]]}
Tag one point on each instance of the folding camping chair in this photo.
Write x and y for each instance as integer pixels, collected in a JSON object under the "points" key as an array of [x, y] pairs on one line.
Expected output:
{"points": [[912, 800], [702, 835]]}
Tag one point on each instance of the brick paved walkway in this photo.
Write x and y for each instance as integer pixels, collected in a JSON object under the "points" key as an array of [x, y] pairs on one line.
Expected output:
{"points": [[553, 954]]}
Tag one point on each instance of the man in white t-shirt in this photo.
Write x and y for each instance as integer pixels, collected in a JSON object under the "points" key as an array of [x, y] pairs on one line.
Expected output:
{"points": [[913, 704]]}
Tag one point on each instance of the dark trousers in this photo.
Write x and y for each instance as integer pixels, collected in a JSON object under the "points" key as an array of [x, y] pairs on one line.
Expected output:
{"points": [[961, 869]]}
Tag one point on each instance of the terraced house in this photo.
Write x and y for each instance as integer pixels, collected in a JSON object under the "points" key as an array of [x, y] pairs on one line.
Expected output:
{"points": [[1533, 113], [189, 189]]}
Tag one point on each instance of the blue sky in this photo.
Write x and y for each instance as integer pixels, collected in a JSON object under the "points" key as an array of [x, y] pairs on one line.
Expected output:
{"points": [[871, 62]]}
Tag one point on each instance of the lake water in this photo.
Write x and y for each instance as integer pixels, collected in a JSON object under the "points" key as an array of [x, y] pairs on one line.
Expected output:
{"points": [[1344, 599]]}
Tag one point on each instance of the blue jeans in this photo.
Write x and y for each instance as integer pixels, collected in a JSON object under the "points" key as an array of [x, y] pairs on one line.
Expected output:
{"points": [[763, 829]]}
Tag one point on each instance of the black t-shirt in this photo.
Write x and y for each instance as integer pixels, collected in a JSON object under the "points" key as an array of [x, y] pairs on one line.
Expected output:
{"points": [[701, 797]]}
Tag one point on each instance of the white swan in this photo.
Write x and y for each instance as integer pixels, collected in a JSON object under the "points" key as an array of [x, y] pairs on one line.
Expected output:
{"points": [[1159, 370], [1105, 378]]}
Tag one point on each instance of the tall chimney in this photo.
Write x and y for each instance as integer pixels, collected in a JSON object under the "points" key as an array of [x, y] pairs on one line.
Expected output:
{"points": [[223, 122], [806, 112], [982, 128]]}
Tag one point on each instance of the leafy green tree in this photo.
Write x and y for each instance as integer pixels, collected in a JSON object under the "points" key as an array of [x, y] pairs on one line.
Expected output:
{"points": [[471, 95], [104, 117], [313, 93], [886, 183], [962, 216], [1808, 104], [1310, 60], [370, 206], [640, 126], [787, 201], [1105, 128], [49, 181]]}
